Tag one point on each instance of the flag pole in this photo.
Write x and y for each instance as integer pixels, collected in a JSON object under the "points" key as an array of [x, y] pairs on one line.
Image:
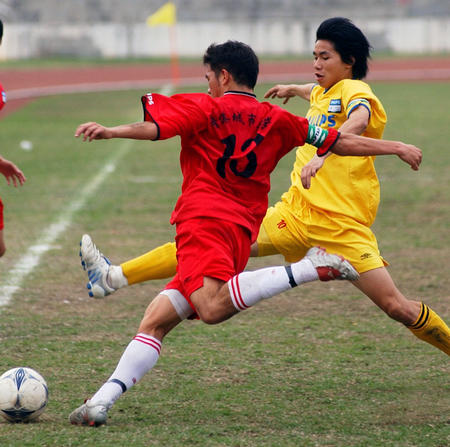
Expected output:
{"points": [[174, 59], [167, 15]]}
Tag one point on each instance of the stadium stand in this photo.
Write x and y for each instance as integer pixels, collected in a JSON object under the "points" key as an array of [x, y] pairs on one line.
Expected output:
{"points": [[95, 11]]}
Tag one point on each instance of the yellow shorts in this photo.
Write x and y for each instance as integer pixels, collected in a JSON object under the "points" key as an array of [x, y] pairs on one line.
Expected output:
{"points": [[292, 235]]}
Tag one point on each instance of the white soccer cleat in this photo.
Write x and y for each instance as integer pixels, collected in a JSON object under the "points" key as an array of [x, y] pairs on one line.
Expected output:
{"points": [[330, 266], [87, 414], [97, 266]]}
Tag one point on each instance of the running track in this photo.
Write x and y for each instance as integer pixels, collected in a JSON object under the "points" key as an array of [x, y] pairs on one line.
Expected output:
{"points": [[22, 85]]}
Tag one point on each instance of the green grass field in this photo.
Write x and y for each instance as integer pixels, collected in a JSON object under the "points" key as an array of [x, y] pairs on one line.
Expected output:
{"points": [[318, 366]]}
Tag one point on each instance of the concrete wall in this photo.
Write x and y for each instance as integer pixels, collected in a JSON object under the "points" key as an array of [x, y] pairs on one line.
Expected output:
{"points": [[117, 40]]}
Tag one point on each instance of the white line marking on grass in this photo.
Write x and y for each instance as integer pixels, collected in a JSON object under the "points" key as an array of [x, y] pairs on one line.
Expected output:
{"points": [[154, 179], [31, 258], [26, 264]]}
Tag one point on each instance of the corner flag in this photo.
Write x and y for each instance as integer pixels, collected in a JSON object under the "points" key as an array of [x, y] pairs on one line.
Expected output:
{"points": [[165, 15]]}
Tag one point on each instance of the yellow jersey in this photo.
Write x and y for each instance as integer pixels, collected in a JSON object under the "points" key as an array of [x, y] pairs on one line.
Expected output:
{"points": [[344, 185]]}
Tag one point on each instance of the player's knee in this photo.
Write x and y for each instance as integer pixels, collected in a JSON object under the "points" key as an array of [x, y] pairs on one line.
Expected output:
{"points": [[398, 311], [209, 317], [152, 326], [209, 313], [209, 303], [393, 311]]}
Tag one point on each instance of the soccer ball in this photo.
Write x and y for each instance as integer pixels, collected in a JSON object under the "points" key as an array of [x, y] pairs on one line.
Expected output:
{"points": [[23, 394]]}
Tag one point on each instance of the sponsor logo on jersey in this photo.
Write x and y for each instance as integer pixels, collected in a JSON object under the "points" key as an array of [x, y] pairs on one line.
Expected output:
{"points": [[335, 106], [281, 224], [320, 120]]}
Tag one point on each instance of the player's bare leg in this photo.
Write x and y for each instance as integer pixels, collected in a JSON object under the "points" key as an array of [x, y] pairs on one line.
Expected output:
{"points": [[422, 321]]}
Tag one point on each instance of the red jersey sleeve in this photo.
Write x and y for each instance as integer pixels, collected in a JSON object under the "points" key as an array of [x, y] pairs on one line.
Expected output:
{"points": [[2, 97], [176, 115]]}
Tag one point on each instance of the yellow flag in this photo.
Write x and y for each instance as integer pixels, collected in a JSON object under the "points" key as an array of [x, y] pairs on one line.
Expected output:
{"points": [[166, 15]]}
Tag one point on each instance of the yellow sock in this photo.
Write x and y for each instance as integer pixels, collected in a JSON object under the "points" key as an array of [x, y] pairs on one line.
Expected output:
{"points": [[431, 328], [158, 263], [265, 245]]}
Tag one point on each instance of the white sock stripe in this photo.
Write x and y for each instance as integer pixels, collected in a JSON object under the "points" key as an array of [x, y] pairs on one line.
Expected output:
{"points": [[240, 297], [231, 290], [236, 296], [150, 341]]}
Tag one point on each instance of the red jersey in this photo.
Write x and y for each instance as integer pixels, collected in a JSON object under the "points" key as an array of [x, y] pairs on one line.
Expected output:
{"points": [[2, 97], [229, 147]]}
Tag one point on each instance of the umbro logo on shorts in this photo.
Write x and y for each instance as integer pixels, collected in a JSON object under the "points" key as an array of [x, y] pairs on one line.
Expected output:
{"points": [[366, 256]]}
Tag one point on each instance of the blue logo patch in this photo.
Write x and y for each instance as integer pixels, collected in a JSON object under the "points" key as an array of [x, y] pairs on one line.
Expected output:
{"points": [[335, 106]]}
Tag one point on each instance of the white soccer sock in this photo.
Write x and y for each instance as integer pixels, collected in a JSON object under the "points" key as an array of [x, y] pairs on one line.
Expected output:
{"points": [[116, 279], [139, 357], [248, 288]]}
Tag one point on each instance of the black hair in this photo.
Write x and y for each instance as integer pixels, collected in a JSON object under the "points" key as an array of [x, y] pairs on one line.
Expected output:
{"points": [[349, 41], [1, 30], [235, 57]]}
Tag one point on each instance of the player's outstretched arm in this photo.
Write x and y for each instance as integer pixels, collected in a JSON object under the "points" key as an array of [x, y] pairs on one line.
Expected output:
{"points": [[349, 144], [11, 172], [289, 91], [138, 131]]}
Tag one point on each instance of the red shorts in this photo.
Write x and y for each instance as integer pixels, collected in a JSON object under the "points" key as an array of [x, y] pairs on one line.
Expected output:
{"points": [[1, 215], [208, 247]]}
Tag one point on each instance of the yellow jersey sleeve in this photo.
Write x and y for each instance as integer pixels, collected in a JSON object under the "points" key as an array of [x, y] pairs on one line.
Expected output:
{"points": [[344, 185]]}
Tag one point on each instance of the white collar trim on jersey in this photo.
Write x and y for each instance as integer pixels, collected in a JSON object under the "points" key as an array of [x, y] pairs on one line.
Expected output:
{"points": [[234, 92]]}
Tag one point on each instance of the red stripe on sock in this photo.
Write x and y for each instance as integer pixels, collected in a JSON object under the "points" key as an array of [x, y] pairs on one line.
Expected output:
{"points": [[237, 294], [234, 297], [153, 342]]}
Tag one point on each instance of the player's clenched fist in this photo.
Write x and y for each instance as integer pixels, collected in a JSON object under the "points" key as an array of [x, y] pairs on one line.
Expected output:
{"points": [[412, 155], [93, 131]]}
